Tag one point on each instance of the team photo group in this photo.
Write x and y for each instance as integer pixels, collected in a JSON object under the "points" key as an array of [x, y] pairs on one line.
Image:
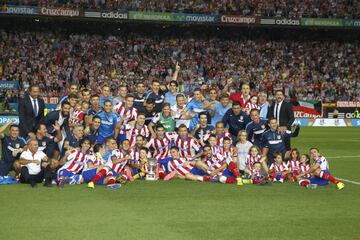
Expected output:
{"points": [[111, 136]]}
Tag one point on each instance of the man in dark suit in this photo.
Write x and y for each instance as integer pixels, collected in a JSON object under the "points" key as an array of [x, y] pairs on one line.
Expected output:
{"points": [[283, 113], [31, 110]]}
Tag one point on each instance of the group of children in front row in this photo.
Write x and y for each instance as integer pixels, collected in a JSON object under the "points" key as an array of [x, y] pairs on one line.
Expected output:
{"points": [[114, 166]]}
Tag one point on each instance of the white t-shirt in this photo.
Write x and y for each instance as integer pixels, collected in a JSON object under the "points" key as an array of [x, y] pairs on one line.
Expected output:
{"points": [[177, 116], [243, 150], [33, 167]]}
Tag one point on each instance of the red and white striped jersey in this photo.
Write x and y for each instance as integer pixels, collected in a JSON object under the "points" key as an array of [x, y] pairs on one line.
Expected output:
{"points": [[215, 150], [250, 106], [279, 168], [177, 165], [96, 159], [228, 153], [250, 160], [215, 162], [323, 162], [133, 132], [256, 174], [126, 114], [304, 168], [219, 138], [75, 162], [118, 166], [161, 146], [294, 166], [76, 117], [187, 147]]}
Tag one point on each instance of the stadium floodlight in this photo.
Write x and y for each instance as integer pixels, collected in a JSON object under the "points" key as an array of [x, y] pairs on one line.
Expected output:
{"points": [[151, 174]]}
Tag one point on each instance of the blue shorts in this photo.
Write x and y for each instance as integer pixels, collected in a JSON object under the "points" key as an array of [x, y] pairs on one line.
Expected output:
{"points": [[320, 181], [90, 174], [198, 172], [228, 173], [164, 162], [65, 173], [278, 176]]}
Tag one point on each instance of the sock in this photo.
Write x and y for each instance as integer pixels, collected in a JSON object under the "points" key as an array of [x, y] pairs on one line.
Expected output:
{"points": [[304, 183], [206, 178], [230, 180], [162, 175], [111, 181], [234, 169], [99, 175], [256, 181], [328, 177]]}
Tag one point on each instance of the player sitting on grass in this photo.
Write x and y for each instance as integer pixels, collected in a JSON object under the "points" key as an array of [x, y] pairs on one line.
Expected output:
{"points": [[183, 168], [259, 173], [222, 169], [304, 166], [320, 171], [253, 156], [139, 166], [70, 172], [278, 170], [294, 165], [95, 170], [118, 159]]}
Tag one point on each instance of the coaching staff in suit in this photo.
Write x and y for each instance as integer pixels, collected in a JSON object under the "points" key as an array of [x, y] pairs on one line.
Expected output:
{"points": [[283, 113], [31, 110]]}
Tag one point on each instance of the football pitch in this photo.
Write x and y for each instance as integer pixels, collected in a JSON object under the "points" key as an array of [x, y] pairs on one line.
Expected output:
{"points": [[188, 210]]}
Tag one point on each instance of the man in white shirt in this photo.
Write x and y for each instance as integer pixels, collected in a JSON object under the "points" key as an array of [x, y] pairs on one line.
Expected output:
{"points": [[33, 163]]}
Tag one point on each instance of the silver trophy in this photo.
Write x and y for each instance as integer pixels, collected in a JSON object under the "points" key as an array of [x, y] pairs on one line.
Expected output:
{"points": [[152, 173]]}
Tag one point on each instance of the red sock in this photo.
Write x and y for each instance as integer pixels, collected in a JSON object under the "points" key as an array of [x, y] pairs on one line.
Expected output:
{"points": [[329, 178], [111, 181], [234, 169], [230, 180], [256, 181], [304, 183], [206, 178], [162, 175], [99, 175]]}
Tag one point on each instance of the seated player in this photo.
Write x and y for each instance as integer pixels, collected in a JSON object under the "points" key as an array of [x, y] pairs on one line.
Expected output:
{"points": [[161, 143], [188, 146], [222, 169], [118, 160], [212, 140], [183, 168], [253, 157], [258, 173], [228, 151], [293, 165], [138, 165], [70, 172], [135, 129], [278, 170], [96, 172], [304, 166], [220, 133], [320, 171]]}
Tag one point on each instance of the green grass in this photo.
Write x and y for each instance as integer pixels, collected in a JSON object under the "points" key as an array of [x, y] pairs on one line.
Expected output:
{"points": [[187, 210]]}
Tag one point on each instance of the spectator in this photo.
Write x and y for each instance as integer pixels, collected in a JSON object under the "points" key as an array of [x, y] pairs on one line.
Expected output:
{"points": [[264, 105]]}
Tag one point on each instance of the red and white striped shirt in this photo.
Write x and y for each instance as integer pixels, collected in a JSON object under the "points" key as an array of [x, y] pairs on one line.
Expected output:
{"points": [[250, 106], [215, 150], [126, 114], [228, 153], [96, 159], [294, 166], [77, 117], [215, 162], [133, 132], [75, 162], [118, 167], [279, 168], [161, 146], [250, 160], [187, 147], [304, 168], [219, 138], [177, 165]]}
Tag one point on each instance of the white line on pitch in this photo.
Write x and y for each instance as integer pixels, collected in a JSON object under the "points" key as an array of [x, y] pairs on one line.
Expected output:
{"points": [[349, 181]]}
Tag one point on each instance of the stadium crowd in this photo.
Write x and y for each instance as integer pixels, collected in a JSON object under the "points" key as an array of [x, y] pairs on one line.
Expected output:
{"points": [[157, 132], [305, 70], [268, 8]]}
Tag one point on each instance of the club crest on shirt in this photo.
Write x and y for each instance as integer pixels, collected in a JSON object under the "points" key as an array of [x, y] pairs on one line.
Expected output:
{"points": [[241, 119], [43, 143], [17, 145], [278, 137], [262, 126]]}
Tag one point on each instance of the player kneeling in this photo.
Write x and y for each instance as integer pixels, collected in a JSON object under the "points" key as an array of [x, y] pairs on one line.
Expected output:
{"points": [[139, 167], [75, 161], [320, 171], [96, 172], [183, 168]]}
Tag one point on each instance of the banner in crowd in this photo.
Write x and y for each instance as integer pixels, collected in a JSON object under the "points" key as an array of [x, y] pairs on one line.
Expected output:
{"points": [[343, 109], [6, 119], [9, 85], [238, 19], [280, 21], [27, 10], [201, 18], [151, 16], [352, 23], [307, 109], [325, 22], [108, 14], [59, 11]]}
